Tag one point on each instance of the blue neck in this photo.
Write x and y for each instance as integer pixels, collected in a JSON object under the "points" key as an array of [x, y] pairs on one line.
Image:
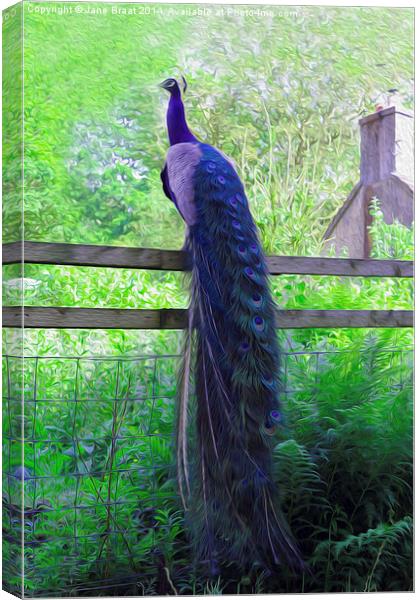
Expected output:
{"points": [[178, 129]]}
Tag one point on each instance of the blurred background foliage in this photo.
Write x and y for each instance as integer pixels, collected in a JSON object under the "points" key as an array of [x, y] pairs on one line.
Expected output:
{"points": [[282, 95]]}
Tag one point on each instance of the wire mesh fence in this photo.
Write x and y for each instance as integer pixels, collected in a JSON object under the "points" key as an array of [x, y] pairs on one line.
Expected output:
{"points": [[89, 488]]}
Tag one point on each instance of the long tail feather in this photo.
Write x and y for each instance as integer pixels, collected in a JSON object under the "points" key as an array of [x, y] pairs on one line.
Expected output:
{"points": [[182, 433], [233, 502]]}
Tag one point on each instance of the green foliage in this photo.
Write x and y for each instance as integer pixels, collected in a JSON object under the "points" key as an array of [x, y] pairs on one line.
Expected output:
{"points": [[371, 558], [100, 496], [347, 471], [390, 240], [12, 123]]}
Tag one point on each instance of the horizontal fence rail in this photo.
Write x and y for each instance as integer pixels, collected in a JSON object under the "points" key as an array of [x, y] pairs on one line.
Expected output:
{"points": [[172, 318], [176, 260]]}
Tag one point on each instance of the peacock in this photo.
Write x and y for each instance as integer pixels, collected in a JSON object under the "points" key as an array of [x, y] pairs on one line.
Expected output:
{"points": [[231, 347]]}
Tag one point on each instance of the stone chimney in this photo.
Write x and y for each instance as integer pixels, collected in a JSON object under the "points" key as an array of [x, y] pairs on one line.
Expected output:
{"points": [[386, 173], [386, 145]]}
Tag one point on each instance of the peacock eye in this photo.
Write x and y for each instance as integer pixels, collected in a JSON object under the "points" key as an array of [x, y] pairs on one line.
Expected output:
{"points": [[275, 415], [244, 347], [269, 430], [259, 323]]}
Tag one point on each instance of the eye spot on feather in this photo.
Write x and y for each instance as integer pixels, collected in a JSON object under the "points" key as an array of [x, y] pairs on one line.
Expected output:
{"points": [[272, 422], [244, 347], [275, 415], [236, 224], [257, 300], [270, 429], [233, 202], [221, 180], [254, 248], [249, 272], [242, 250], [211, 167], [258, 323]]}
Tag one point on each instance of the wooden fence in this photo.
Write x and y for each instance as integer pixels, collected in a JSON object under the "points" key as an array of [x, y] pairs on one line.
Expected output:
{"points": [[173, 260]]}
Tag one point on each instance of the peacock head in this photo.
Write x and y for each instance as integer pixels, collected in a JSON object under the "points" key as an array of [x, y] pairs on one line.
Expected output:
{"points": [[173, 87]]}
